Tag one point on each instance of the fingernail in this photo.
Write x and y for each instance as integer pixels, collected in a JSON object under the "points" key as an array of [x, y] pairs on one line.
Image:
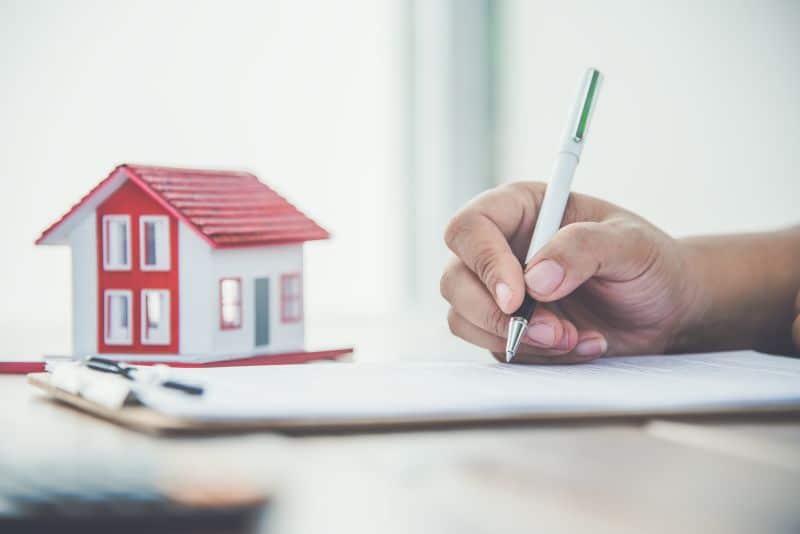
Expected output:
{"points": [[544, 277], [503, 293], [542, 334], [594, 346]]}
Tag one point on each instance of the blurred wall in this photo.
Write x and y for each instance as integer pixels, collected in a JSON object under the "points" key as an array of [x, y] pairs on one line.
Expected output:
{"points": [[698, 124], [306, 94], [379, 118]]}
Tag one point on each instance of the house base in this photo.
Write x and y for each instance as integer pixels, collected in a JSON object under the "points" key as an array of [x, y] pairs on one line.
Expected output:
{"points": [[304, 356], [258, 359]]}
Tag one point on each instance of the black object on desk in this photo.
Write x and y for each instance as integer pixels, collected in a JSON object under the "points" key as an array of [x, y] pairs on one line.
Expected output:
{"points": [[122, 498], [105, 365]]}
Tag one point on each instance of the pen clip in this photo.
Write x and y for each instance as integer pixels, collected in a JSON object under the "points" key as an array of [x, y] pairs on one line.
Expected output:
{"points": [[588, 96]]}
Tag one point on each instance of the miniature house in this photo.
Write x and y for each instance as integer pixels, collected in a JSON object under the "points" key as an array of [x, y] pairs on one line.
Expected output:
{"points": [[185, 262]]}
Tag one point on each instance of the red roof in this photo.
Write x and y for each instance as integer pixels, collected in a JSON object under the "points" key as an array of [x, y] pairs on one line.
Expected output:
{"points": [[227, 209]]}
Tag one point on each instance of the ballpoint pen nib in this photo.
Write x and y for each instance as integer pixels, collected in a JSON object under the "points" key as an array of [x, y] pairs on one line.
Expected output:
{"points": [[516, 327]]}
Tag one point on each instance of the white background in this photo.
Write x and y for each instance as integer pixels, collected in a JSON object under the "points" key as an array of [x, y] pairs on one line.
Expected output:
{"points": [[306, 94], [697, 128], [698, 125]]}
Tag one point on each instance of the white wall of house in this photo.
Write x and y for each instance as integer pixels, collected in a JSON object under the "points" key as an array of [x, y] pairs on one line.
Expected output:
{"points": [[250, 263], [198, 307], [83, 246], [200, 268]]}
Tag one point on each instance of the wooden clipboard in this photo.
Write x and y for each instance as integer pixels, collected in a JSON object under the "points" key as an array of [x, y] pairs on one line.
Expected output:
{"points": [[145, 419]]}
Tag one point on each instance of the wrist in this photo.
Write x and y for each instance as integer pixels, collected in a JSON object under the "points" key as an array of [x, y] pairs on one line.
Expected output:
{"points": [[739, 292], [695, 298]]}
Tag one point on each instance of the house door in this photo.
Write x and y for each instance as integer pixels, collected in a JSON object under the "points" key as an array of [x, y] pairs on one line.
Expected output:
{"points": [[262, 311]]}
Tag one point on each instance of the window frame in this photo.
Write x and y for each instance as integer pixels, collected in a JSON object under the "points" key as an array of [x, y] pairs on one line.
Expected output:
{"points": [[162, 264], [107, 316], [285, 299], [222, 324], [165, 312], [107, 265]]}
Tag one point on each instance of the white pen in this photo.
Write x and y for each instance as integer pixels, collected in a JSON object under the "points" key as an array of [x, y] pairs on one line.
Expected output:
{"points": [[555, 198]]}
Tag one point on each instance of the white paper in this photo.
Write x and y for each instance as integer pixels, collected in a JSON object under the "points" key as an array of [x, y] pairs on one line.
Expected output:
{"points": [[419, 391]]}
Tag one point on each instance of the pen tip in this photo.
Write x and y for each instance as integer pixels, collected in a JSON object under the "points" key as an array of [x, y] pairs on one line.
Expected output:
{"points": [[516, 328]]}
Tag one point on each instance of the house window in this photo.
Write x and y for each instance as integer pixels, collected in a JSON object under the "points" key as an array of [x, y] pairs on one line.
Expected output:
{"points": [[155, 317], [230, 303], [154, 242], [116, 242], [291, 298], [117, 318]]}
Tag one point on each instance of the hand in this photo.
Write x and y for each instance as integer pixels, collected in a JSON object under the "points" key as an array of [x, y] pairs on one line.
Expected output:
{"points": [[609, 282], [796, 324]]}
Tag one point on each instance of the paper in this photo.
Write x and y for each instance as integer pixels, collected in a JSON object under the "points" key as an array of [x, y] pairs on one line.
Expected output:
{"points": [[420, 391]]}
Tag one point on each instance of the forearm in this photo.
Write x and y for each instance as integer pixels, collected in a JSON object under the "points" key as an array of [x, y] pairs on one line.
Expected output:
{"points": [[743, 292]]}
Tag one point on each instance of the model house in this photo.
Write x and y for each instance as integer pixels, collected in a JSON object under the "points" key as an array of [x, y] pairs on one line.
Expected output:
{"points": [[185, 262]]}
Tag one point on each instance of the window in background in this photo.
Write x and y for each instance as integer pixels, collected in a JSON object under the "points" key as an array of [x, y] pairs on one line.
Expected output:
{"points": [[117, 318], [291, 298], [116, 242], [154, 242], [230, 303], [155, 317]]}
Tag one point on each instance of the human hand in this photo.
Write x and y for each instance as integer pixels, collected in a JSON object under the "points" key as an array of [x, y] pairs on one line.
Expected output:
{"points": [[609, 282], [796, 324]]}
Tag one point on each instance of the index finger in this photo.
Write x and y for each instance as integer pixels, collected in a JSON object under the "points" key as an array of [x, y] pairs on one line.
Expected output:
{"points": [[479, 235]]}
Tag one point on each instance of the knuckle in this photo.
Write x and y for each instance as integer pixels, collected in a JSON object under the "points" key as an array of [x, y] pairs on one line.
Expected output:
{"points": [[495, 321], [458, 226], [452, 322], [452, 278], [579, 235], [631, 235], [640, 234], [525, 187], [515, 187], [531, 191], [446, 283], [483, 263]]}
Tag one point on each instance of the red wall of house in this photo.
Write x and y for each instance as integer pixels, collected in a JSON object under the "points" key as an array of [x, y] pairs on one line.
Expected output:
{"points": [[131, 200]]}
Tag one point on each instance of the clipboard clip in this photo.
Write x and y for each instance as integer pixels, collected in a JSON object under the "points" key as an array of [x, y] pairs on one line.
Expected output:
{"points": [[113, 384], [104, 365]]}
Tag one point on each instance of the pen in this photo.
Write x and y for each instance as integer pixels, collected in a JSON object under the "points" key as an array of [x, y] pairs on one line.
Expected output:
{"points": [[556, 195]]}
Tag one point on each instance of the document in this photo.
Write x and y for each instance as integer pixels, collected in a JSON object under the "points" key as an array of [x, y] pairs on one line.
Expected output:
{"points": [[415, 391]]}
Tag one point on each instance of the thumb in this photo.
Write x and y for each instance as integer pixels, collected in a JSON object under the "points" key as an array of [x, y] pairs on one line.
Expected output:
{"points": [[579, 251]]}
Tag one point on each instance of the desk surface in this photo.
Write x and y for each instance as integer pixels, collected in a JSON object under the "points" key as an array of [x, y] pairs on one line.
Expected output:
{"points": [[694, 475]]}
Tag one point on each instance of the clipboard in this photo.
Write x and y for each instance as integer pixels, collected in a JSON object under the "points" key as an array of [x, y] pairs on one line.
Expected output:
{"points": [[148, 420], [136, 417]]}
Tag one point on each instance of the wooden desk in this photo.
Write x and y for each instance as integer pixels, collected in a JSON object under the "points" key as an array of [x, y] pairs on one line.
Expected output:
{"points": [[692, 475]]}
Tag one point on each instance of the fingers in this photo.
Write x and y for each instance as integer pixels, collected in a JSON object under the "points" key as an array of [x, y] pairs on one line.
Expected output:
{"points": [[482, 247], [475, 317], [614, 250], [527, 354], [470, 298], [796, 324], [480, 234], [796, 334]]}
